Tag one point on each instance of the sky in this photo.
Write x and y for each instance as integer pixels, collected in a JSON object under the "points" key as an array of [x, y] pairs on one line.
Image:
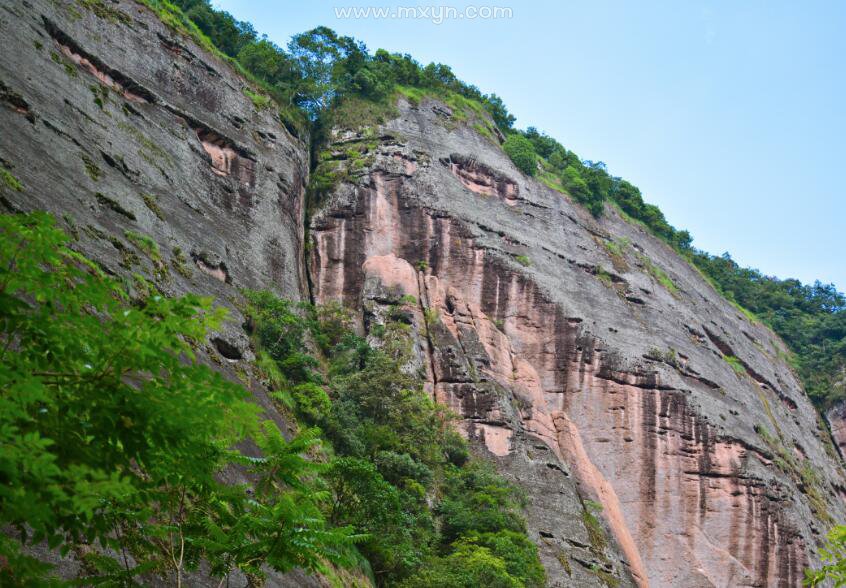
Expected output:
{"points": [[730, 116]]}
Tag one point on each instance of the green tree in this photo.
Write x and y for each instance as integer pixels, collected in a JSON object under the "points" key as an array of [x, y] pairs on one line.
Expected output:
{"points": [[522, 153], [469, 566], [834, 557], [113, 436]]}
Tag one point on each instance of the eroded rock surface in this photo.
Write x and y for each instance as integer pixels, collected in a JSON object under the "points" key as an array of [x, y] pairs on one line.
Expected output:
{"points": [[659, 409], [126, 130]]}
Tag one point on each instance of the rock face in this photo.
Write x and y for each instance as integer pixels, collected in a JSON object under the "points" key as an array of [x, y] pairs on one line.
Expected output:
{"points": [[123, 128], [657, 432], [125, 131], [593, 364]]}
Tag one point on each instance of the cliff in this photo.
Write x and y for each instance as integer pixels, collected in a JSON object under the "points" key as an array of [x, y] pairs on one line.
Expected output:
{"points": [[149, 152], [658, 432], [597, 367], [124, 129]]}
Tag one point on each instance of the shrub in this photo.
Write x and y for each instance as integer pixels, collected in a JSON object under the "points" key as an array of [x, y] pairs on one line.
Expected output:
{"points": [[312, 401], [522, 153]]}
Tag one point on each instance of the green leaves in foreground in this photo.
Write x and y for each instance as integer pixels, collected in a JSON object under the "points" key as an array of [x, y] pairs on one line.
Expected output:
{"points": [[113, 440], [834, 557]]}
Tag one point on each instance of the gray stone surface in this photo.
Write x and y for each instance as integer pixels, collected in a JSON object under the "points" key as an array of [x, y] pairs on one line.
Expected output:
{"points": [[597, 388], [103, 119], [555, 329]]}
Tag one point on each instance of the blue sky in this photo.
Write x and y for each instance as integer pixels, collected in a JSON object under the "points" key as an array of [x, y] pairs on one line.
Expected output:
{"points": [[731, 116]]}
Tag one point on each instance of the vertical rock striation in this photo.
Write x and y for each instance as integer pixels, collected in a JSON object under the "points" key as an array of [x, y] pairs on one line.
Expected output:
{"points": [[595, 366], [659, 436]]}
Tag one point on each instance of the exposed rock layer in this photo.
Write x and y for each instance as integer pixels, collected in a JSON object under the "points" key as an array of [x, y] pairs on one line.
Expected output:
{"points": [[657, 432], [121, 127], [553, 336]]}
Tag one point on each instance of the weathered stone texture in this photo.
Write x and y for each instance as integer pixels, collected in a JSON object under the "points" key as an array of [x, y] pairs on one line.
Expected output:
{"points": [[123, 128], [578, 372]]}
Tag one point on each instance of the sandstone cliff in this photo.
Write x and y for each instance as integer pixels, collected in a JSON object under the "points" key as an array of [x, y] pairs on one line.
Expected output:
{"points": [[148, 151], [124, 130], [659, 434], [596, 366]]}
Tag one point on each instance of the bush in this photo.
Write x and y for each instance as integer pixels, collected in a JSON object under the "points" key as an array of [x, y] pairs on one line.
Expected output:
{"points": [[516, 550], [522, 153], [469, 566], [312, 401]]}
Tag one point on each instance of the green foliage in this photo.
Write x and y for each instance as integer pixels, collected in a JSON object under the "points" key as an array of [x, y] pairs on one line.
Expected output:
{"points": [[91, 168], [735, 364], [468, 566], [312, 401], [596, 534], [833, 555], [114, 205], [153, 204], [477, 500], [523, 260], [660, 275], [260, 101], [522, 153], [114, 437], [401, 475], [9, 180]]}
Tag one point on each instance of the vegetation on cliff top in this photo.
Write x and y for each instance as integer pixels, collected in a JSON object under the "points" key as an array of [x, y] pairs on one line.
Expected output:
{"points": [[120, 448], [320, 70]]}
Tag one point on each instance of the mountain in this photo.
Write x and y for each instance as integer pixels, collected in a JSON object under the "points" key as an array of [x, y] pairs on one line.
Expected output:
{"points": [[658, 433]]}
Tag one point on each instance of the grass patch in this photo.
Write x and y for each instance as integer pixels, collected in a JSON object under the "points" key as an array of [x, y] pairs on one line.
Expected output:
{"points": [[464, 110], [102, 10], [604, 276], [616, 251], [523, 260], [669, 356], [260, 101], [68, 66], [9, 180], [596, 534], [658, 274], [180, 263], [150, 248], [744, 311], [114, 205], [565, 562], [149, 150], [735, 364], [100, 93], [355, 113], [91, 168], [152, 202]]}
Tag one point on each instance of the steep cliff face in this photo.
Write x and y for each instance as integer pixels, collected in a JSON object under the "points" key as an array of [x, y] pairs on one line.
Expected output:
{"points": [[658, 433], [126, 130], [148, 151], [594, 365]]}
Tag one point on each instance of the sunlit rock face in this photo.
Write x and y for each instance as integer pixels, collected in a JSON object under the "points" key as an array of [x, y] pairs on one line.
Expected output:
{"points": [[660, 409]]}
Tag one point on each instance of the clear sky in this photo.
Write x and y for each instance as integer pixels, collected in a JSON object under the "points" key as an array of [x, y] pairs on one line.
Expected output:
{"points": [[730, 115]]}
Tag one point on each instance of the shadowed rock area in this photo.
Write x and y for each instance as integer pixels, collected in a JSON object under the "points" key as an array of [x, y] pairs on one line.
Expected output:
{"points": [[123, 129]]}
